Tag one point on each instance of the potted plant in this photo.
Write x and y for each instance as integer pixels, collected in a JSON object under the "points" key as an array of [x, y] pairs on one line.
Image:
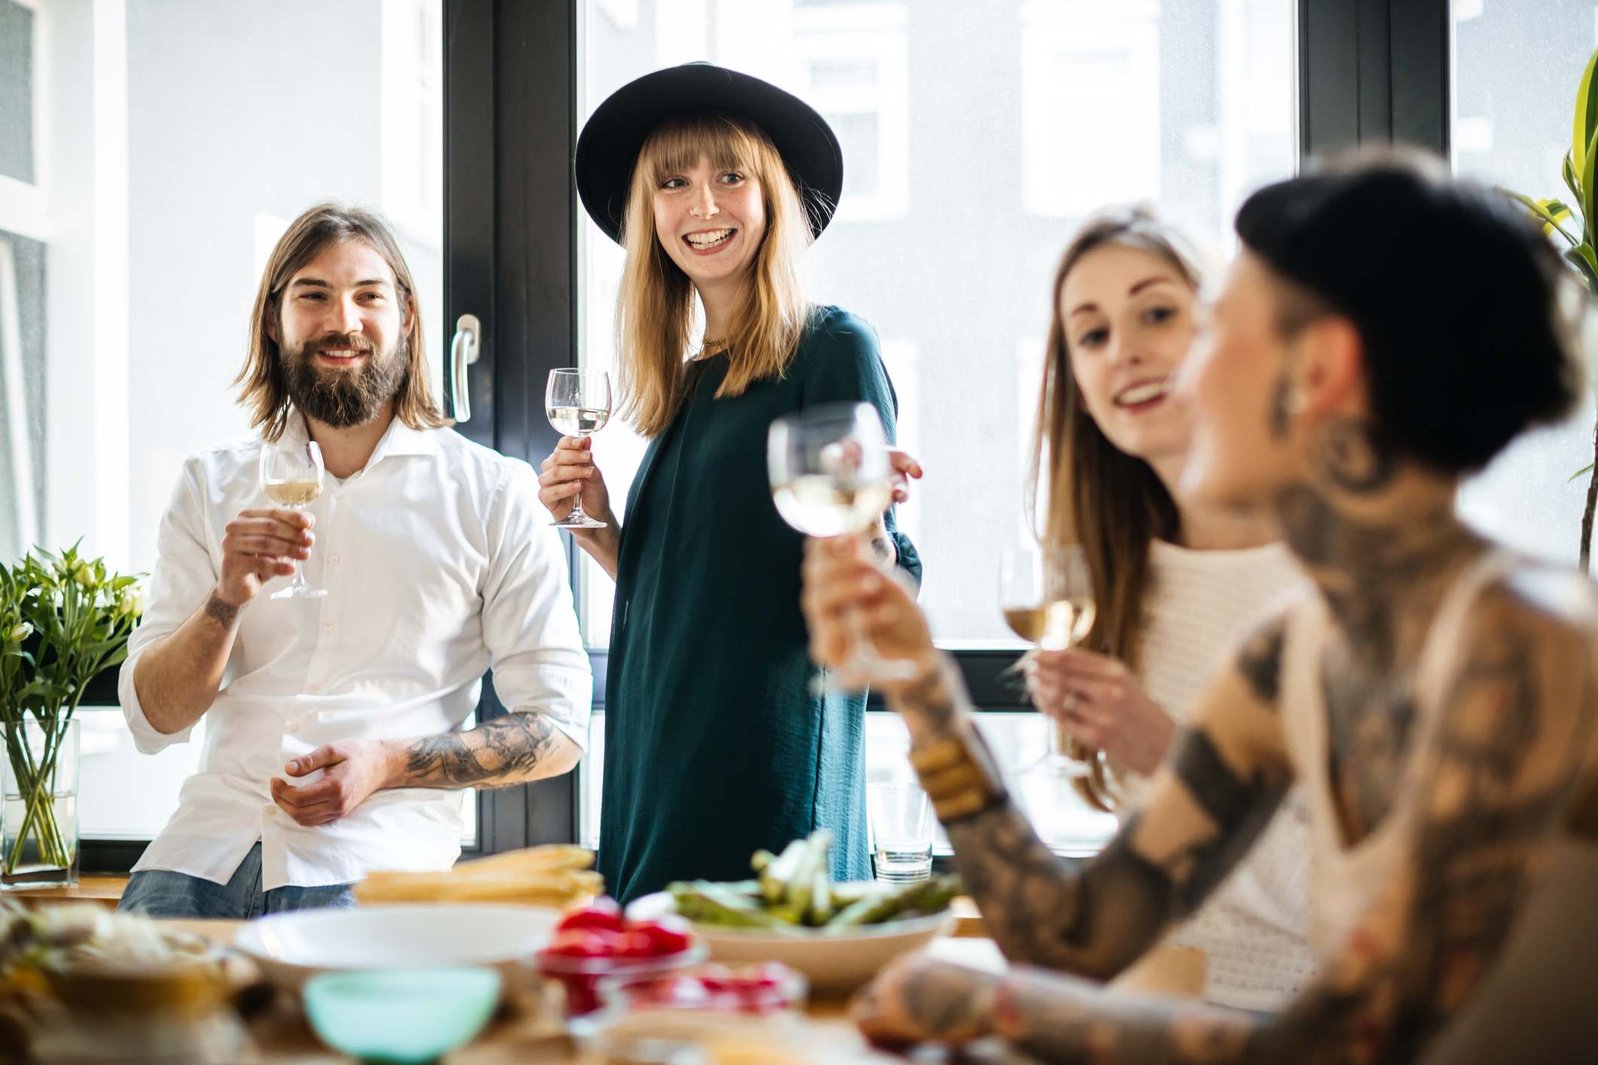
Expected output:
{"points": [[1574, 223], [63, 620]]}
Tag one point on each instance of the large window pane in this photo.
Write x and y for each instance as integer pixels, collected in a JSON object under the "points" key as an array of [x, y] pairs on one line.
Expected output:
{"points": [[1516, 66], [162, 185]]}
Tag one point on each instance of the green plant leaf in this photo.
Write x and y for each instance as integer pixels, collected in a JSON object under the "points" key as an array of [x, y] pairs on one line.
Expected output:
{"points": [[1589, 194], [1568, 171], [1585, 469], [1584, 265], [1549, 212], [1585, 116]]}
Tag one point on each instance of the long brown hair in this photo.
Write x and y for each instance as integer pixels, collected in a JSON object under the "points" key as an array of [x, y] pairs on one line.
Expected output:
{"points": [[655, 310], [263, 381], [1110, 504]]}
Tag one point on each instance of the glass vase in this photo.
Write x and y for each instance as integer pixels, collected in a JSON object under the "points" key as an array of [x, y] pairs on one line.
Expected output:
{"points": [[39, 817]]}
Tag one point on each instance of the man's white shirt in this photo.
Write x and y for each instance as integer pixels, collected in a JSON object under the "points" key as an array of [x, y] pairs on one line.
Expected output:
{"points": [[439, 563]]}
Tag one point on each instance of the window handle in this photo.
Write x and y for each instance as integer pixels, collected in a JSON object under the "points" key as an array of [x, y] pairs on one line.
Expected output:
{"points": [[463, 351]]}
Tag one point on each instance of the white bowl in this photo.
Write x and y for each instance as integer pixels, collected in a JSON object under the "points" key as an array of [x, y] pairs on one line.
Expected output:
{"points": [[839, 960], [290, 947]]}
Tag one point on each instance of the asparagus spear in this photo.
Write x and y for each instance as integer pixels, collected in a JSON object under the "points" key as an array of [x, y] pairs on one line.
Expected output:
{"points": [[928, 896], [775, 876], [710, 903], [813, 860], [821, 905]]}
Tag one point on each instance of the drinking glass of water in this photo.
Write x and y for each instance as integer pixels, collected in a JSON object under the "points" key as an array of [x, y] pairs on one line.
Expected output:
{"points": [[577, 403], [901, 831]]}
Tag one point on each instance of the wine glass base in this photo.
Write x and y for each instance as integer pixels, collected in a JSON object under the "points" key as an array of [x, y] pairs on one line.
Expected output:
{"points": [[585, 522], [299, 593]]}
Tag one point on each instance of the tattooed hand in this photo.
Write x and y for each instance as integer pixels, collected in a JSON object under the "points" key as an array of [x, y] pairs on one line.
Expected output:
{"points": [[847, 598], [917, 999]]}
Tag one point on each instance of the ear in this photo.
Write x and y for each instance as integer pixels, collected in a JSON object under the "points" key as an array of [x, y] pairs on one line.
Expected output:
{"points": [[271, 322], [1330, 375]]}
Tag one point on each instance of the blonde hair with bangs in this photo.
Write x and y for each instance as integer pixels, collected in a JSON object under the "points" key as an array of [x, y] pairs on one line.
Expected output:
{"points": [[656, 307]]}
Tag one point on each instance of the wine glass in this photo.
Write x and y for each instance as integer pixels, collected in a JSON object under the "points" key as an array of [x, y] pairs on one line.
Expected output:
{"points": [[292, 476], [831, 476], [578, 404], [1046, 594]]}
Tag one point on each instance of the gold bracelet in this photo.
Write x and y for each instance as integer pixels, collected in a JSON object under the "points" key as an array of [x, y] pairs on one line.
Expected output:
{"points": [[956, 781]]}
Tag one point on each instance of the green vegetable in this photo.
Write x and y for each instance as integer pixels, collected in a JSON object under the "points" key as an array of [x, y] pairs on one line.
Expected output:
{"points": [[709, 903], [794, 889], [926, 897], [775, 876]]}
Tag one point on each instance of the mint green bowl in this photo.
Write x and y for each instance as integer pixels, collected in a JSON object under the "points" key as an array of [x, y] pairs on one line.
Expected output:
{"points": [[400, 1016]]}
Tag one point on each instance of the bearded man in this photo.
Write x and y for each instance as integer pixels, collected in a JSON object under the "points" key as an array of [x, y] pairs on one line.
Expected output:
{"points": [[334, 724]]}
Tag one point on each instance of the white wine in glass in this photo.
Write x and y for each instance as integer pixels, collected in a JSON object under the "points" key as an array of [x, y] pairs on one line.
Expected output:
{"points": [[831, 475], [292, 476], [1046, 594], [577, 403]]}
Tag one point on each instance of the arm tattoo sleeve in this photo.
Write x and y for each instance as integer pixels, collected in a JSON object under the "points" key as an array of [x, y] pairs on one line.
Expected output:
{"points": [[507, 750], [1092, 919], [1503, 772]]}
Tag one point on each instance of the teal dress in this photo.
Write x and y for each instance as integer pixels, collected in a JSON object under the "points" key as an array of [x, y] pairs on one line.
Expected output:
{"points": [[716, 744]]}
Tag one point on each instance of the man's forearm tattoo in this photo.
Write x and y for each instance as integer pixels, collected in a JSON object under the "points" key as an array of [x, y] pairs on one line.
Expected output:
{"points": [[224, 614], [507, 750]]}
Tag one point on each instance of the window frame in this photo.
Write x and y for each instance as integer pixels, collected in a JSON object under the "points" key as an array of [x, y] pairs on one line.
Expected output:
{"points": [[1368, 71]]}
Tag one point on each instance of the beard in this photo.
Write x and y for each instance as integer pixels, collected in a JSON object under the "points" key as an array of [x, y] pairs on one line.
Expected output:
{"points": [[345, 398]]}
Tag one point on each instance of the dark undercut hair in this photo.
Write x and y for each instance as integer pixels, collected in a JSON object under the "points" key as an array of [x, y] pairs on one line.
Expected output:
{"points": [[1454, 292]]}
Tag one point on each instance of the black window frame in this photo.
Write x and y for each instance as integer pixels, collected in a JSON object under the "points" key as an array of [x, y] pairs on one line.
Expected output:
{"points": [[1369, 71]]}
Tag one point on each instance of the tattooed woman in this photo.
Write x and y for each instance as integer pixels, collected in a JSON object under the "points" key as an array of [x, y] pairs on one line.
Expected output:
{"points": [[1384, 331], [1177, 583]]}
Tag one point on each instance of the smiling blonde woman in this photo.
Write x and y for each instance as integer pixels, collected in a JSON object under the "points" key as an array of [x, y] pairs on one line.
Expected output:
{"points": [[716, 742]]}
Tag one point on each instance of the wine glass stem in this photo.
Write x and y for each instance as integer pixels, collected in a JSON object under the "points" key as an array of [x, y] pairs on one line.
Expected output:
{"points": [[297, 584]]}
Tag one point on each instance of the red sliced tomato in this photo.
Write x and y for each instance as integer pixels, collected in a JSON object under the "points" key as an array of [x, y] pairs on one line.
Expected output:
{"points": [[604, 913], [668, 934], [584, 943]]}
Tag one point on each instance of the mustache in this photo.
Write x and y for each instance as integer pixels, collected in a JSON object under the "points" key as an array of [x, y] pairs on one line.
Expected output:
{"points": [[352, 341]]}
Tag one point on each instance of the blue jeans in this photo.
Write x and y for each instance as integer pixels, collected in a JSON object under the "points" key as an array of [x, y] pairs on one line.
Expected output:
{"points": [[162, 893]]}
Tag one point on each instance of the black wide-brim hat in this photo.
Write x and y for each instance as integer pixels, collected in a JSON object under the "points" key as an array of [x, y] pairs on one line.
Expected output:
{"points": [[608, 147]]}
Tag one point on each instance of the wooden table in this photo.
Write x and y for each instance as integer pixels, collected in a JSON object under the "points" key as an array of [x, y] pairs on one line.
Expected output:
{"points": [[825, 1034]]}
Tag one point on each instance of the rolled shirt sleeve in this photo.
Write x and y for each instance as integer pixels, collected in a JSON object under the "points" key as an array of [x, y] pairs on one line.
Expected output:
{"points": [[184, 577], [529, 624]]}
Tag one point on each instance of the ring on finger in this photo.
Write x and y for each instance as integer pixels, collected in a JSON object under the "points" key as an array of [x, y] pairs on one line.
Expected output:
{"points": [[1071, 701]]}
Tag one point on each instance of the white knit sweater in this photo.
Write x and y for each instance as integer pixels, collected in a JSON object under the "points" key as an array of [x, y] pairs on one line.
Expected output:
{"points": [[1199, 606]]}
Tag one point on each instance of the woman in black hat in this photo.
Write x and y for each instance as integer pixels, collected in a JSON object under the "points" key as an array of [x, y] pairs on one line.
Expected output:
{"points": [[1385, 331], [717, 744]]}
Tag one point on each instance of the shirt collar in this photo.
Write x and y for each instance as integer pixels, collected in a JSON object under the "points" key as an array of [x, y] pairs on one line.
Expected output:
{"points": [[398, 439]]}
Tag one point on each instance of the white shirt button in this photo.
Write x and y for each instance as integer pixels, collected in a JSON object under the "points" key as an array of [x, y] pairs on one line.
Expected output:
{"points": [[332, 560], [314, 688], [327, 625]]}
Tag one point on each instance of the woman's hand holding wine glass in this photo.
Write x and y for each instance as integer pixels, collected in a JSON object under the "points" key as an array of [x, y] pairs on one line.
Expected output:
{"points": [[1046, 594], [832, 476], [577, 403], [1102, 704]]}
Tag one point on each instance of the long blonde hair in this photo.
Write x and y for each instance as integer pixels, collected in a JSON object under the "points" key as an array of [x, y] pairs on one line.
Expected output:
{"points": [[263, 381], [1110, 504], [655, 310]]}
